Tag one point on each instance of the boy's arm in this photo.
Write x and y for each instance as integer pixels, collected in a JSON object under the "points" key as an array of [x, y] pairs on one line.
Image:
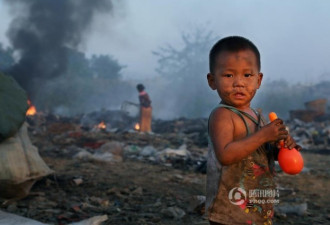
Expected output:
{"points": [[228, 150]]}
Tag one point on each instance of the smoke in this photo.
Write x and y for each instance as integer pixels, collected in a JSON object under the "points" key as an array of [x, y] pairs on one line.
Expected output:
{"points": [[183, 70], [41, 33], [182, 89]]}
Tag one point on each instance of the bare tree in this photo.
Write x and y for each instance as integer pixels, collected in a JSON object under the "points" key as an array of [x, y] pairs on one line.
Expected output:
{"points": [[186, 67]]}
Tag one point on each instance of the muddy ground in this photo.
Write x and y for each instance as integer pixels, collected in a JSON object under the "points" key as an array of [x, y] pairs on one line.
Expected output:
{"points": [[139, 192]]}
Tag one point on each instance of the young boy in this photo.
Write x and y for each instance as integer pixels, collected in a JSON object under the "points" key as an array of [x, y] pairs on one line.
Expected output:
{"points": [[240, 170], [145, 109]]}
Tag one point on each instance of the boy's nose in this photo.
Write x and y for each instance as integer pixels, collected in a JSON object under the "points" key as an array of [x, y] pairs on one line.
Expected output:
{"points": [[238, 82]]}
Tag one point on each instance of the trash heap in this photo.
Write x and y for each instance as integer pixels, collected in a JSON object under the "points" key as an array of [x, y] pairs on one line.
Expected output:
{"points": [[141, 178], [180, 143], [312, 136]]}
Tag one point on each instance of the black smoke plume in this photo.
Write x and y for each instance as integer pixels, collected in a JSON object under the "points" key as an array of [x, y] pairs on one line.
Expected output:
{"points": [[41, 33]]}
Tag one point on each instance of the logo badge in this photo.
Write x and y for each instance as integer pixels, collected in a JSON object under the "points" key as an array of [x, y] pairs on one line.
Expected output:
{"points": [[237, 196]]}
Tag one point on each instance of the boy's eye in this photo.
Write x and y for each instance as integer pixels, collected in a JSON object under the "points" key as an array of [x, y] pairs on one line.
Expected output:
{"points": [[228, 75], [248, 75]]}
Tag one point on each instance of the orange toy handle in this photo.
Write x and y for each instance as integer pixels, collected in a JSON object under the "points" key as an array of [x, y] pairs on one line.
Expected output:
{"points": [[272, 116]]}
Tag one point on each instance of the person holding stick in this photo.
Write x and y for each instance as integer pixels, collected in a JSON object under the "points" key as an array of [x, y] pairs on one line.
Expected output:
{"points": [[145, 109]]}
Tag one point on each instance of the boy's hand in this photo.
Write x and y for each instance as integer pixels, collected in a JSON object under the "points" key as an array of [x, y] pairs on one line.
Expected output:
{"points": [[290, 143], [275, 131]]}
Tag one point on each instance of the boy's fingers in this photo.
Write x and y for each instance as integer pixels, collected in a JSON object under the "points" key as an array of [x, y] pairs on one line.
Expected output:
{"points": [[288, 142], [281, 127], [282, 137], [298, 147], [291, 145], [278, 121], [284, 132]]}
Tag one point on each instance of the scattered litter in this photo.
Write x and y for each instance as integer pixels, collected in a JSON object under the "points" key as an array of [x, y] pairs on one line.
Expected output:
{"points": [[174, 212], [291, 208]]}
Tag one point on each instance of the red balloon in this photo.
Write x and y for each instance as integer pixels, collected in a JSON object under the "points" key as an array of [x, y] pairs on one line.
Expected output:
{"points": [[291, 161]]}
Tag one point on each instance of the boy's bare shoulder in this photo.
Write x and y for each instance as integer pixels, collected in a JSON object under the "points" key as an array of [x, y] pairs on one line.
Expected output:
{"points": [[225, 119], [221, 115]]}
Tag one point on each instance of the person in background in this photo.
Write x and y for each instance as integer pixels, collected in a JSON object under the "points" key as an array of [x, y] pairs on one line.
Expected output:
{"points": [[145, 109]]}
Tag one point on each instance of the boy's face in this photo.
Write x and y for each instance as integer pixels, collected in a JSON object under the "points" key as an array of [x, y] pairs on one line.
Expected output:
{"points": [[236, 77]]}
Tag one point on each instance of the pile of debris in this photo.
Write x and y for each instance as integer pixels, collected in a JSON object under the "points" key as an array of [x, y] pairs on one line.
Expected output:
{"points": [[315, 111], [101, 170], [181, 143], [97, 172], [313, 136]]}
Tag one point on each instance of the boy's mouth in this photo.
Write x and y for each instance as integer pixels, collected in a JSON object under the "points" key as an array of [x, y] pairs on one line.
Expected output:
{"points": [[239, 95]]}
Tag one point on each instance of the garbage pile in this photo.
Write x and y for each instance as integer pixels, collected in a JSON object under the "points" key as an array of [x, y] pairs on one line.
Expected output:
{"points": [[315, 111], [138, 178], [180, 143], [12, 219], [312, 136], [98, 172]]}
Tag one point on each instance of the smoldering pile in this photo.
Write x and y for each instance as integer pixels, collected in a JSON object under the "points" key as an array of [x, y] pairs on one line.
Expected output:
{"points": [[181, 143]]}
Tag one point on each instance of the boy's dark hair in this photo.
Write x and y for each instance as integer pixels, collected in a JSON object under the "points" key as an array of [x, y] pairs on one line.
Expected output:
{"points": [[232, 44], [140, 87]]}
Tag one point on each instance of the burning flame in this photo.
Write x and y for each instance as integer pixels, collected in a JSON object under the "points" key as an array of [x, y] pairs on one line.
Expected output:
{"points": [[102, 125], [32, 109], [137, 126]]}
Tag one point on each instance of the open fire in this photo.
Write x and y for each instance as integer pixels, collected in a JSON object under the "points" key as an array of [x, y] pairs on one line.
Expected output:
{"points": [[137, 126], [102, 125], [32, 109]]}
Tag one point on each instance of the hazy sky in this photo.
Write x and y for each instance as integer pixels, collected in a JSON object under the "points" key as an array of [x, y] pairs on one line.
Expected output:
{"points": [[292, 36]]}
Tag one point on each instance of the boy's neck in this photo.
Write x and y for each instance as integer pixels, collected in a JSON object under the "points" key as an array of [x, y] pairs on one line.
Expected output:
{"points": [[242, 108]]}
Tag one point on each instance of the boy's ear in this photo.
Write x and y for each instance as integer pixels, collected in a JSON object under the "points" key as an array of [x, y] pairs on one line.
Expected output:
{"points": [[260, 76], [211, 81]]}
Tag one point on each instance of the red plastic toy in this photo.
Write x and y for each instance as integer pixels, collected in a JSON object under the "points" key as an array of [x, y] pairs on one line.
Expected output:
{"points": [[291, 161]]}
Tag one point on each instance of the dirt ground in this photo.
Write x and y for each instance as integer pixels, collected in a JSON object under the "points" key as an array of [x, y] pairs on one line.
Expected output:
{"points": [[311, 187], [137, 192]]}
